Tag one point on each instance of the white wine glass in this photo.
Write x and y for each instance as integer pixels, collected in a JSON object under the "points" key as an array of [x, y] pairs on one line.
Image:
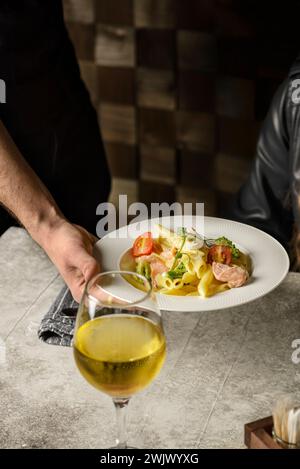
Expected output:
{"points": [[119, 343]]}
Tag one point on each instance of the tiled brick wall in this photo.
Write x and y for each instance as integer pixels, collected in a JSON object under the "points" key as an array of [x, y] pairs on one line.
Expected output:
{"points": [[181, 87]]}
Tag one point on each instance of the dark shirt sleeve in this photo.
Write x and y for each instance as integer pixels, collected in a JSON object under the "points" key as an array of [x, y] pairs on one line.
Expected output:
{"points": [[264, 200]]}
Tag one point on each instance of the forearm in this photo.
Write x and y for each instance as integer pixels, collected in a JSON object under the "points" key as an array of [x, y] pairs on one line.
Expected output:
{"points": [[23, 193], [68, 246]]}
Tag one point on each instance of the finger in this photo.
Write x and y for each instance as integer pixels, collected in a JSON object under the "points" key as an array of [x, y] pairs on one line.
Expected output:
{"points": [[90, 269], [77, 293], [77, 285], [94, 239], [84, 268]]}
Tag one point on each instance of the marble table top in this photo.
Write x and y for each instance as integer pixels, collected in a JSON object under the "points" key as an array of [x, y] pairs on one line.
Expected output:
{"points": [[224, 368]]}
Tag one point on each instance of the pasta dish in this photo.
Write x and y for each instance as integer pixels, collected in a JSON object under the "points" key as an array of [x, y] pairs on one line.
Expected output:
{"points": [[186, 264]]}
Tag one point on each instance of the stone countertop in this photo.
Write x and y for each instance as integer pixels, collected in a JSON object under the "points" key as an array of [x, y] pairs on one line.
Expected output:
{"points": [[223, 368]]}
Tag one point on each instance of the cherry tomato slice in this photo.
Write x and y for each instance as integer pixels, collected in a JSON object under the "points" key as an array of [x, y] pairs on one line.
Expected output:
{"points": [[219, 253], [143, 245]]}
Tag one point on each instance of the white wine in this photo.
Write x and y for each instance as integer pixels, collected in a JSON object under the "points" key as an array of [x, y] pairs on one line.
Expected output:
{"points": [[120, 354]]}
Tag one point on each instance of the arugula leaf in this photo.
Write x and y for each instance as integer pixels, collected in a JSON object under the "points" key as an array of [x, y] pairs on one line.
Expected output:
{"points": [[226, 242], [178, 255], [182, 232], [143, 268], [178, 272]]}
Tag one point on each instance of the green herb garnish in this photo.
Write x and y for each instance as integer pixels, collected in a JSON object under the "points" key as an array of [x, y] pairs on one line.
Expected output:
{"points": [[226, 242], [178, 272], [143, 268], [182, 232]]}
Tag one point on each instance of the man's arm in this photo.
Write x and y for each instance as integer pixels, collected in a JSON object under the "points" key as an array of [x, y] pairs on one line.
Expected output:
{"points": [[26, 197]]}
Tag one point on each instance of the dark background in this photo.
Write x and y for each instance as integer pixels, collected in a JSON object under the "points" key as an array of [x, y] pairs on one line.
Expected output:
{"points": [[181, 88]]}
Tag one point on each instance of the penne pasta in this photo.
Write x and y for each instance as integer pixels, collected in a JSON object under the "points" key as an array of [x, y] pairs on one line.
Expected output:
{"points": [[184, 291], [184, 264], [214, 289], [205, 282]]}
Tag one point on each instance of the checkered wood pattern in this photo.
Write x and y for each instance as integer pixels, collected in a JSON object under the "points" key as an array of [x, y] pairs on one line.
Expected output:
{"points": [[181, 88]]}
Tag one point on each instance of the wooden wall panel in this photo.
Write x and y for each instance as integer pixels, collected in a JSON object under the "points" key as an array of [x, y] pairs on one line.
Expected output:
{"points": [[154, 192], [235, 97], [114, 12], [122, 160], [197, 51], [81, 11], [129, 187], [158, 164], [115, 46], [157, 127], [237, 137], [116, 85], [195, 14], [196, 169], [196, 90], [230, 172], [155, 88], [155, 13], [156, 48], [196, 131], [181, 88], [118, 123], [188, 194]]}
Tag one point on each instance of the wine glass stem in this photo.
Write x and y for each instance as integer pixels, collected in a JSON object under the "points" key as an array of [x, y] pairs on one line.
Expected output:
{"points": [[121, 411]]}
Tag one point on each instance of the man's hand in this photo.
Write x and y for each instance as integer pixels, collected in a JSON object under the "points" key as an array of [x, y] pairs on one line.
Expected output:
{"points": [[27, 198], [70, 248]]}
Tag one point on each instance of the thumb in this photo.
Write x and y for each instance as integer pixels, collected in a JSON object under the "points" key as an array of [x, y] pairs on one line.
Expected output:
{"points": [[90, 268], [86, 264]]}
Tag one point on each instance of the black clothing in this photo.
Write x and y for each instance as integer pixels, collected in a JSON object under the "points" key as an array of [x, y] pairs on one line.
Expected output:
{"points": [[48, 111], [270, 199]]}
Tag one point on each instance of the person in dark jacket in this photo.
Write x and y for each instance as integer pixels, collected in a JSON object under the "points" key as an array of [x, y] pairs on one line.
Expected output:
{"points": [[270, 198], [53, 169]]}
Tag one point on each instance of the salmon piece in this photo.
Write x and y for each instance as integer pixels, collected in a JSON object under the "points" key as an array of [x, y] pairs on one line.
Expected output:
{"points": [[234, 275], [151, 258], [167, 254], [157, 266]]}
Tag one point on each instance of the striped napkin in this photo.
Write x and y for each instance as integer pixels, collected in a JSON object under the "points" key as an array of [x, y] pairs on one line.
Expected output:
{"points": [[57, 326]]}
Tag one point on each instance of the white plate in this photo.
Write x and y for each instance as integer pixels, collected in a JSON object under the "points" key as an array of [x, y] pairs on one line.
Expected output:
{"points": [[270, 260]]}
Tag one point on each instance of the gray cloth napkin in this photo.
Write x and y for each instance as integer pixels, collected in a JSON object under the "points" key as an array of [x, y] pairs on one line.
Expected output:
{"points": [[57, 326]]}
